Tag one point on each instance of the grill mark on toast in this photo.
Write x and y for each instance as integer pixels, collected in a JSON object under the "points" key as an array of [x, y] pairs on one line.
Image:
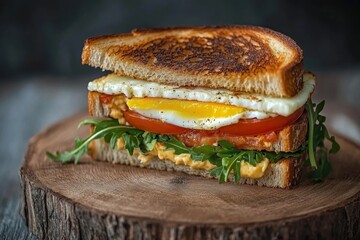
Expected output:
{"points": [[206, 55]]}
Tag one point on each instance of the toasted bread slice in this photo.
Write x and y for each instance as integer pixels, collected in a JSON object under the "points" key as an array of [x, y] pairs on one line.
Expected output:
{"points": [[238, 58], [286, 140], [284, 174]]}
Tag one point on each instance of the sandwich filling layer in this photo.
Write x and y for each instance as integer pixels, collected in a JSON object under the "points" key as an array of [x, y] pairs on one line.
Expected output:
{"points": [[201, 117], [160, 152], [255, 134]]}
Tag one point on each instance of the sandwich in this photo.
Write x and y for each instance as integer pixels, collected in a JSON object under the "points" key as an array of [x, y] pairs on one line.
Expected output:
{"points": [[230, 102]]}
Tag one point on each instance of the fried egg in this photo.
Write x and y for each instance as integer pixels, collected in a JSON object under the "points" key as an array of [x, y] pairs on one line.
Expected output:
{"points": [[192, 114], [199, 108]]}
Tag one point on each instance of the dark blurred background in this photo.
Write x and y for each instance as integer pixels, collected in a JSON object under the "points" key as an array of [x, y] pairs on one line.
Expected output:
{"points": [[46, 37]]}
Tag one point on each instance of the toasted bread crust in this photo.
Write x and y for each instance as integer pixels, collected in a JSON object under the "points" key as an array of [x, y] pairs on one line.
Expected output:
{"points": [[284, 174], [238, 58], [288, 139]]}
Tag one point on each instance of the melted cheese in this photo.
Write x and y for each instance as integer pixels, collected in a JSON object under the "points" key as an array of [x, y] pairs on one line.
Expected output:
{"points": [[250, 171], [246, 170]]}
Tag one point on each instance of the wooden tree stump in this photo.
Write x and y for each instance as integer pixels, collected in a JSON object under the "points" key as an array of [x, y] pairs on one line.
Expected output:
{"points": [[95, 200]]}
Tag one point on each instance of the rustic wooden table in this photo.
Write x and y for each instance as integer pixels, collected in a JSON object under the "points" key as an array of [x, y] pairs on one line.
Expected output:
{"points": [[30, 104]]}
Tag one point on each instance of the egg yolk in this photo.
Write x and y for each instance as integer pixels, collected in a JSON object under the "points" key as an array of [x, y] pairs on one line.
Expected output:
{"points": [[185, 108]]}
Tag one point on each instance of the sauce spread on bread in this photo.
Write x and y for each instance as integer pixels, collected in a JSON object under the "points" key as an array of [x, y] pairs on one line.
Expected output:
{"points": [[160, 152]]}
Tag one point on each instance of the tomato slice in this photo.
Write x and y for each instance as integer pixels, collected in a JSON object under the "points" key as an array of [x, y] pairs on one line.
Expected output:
{"points": [[152, 125], [244, 127], [247, 127]]}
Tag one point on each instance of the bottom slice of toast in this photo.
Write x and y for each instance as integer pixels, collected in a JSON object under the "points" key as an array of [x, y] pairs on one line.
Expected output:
{"points": [[286, 173]]}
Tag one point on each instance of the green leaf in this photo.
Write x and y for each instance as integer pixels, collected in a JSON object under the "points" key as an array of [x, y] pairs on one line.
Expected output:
{"points": [[202, 153], [251, 158], [230, 164], [320, 106], [312, 122], [215, 160], [335, 147], [216, 171], [222, 176], [113, 140], [317, 133], [178, 146], [88, 122], [102, 129], [324, 165], [80, 148], [163, 138], [237, 171], [321, 119], [226, 145], [149, 141], [131, 143]]}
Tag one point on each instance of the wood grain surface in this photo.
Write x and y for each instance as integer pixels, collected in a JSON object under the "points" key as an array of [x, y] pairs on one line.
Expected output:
{"points": [[95, 200]]}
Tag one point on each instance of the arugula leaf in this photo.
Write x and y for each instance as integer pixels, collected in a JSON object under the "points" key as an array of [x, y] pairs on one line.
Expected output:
{"points": [[216, 171], [229, 164], [324, 165], [76, 154], [311, 118], [131, 143], [178, 146], [318, 154], [226, 145], [237, 172], [149, 141], [202, 153], [275, 157], [110, 130]]}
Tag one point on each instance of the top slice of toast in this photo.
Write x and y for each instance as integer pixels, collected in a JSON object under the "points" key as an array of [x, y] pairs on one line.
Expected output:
{"points": [[239, 58]]}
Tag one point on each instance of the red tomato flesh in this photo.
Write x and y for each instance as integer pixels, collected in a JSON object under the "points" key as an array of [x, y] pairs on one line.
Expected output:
{"points": [[245, 127], [151, 125]]}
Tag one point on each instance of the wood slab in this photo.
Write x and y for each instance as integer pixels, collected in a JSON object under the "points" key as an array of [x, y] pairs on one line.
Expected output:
{"points": [[95, 200]]}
